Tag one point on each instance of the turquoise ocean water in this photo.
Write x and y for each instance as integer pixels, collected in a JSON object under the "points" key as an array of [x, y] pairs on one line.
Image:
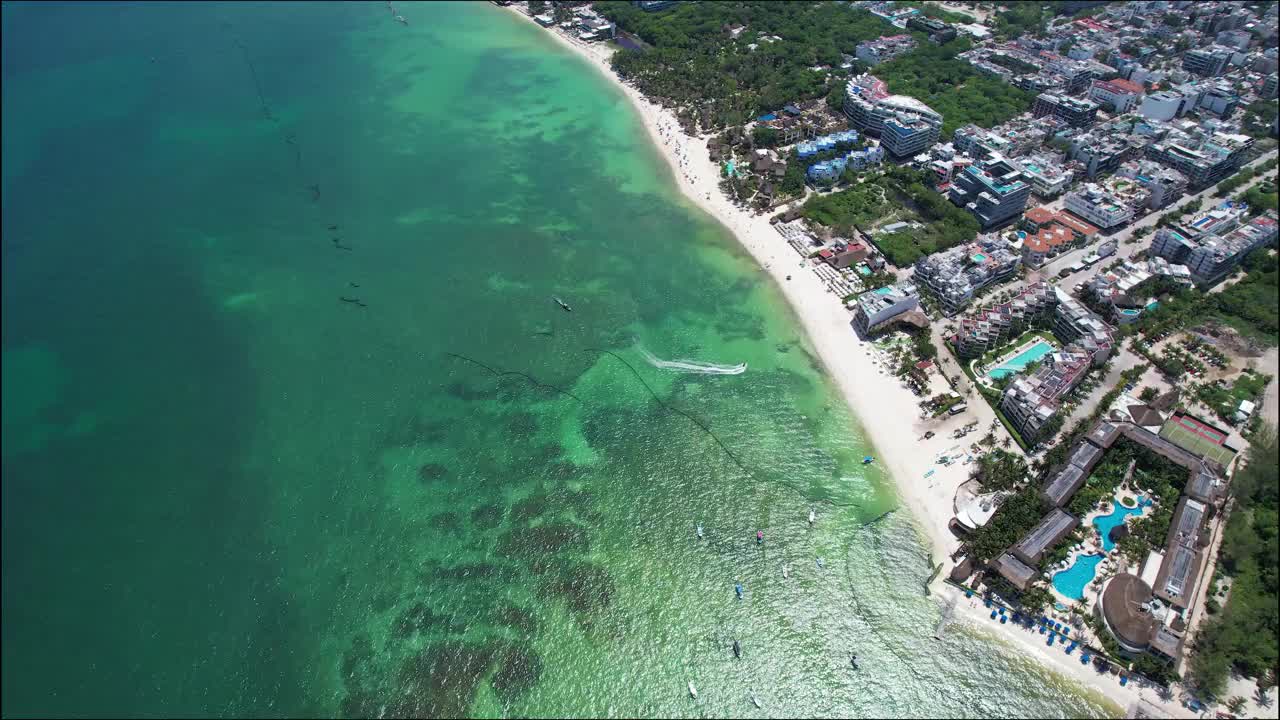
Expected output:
{"points": [[228, 492]]}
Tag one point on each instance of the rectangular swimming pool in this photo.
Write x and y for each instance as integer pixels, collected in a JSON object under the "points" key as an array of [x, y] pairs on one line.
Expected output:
{"points": [[1020, 361]]}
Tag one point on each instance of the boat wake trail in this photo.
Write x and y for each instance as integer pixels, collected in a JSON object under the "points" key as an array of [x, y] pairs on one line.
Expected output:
{"points": [[689, 366]]}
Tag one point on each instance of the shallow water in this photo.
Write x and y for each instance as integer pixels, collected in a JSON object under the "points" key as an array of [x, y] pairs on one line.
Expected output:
{"points": [[227, 492]]}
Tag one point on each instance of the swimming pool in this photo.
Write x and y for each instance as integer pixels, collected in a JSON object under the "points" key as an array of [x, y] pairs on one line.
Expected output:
{"points": [[1072, 581], [1104, 523], [884, 290], [1022, 360]]}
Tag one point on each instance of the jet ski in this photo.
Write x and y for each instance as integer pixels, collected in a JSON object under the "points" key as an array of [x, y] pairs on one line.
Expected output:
{"points": [[563, 305], [737, 650]]}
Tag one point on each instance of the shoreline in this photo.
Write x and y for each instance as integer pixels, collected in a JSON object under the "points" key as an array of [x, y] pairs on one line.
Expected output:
{"points": [[848, 359]]}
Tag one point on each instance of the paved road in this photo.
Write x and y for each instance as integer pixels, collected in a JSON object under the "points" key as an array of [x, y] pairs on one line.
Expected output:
{"points": [[1051, 269]]}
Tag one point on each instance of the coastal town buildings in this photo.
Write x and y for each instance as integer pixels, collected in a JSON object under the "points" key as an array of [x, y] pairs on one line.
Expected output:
{"points": [[1099, 207], [1076, 111], [1209, 61], [992, 327], [1047, 176], [1204, 158], [1164, 185], [904, 125], [1118, 95], [954, 275], [992, 189], [877, 309], [1210, 256], [874, 52]]}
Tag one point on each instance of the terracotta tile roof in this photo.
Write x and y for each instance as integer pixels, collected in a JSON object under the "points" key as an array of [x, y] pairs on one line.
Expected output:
{"points": [[1039, 215]]}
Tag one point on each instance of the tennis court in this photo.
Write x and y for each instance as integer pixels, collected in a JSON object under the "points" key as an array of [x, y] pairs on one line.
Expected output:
{"points": [[1197, 437]]}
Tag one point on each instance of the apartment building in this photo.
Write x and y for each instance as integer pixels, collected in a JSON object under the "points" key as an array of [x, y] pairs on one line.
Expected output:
{"points": [[992, 327], [953, 276], [1098, 206], [1077, 112], [878, 308], [1118, 95], [905, 126], [993, 190], [1203, 159], [874, 52], [1208, 61], [1164, 184], [1210, 257]]}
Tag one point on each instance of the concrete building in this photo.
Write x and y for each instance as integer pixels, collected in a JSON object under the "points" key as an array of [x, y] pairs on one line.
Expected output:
{"points": [[878, 308], [1207, 62], [1118, 95], [1078, 327], [954, 275], [906, 127], [1211, 257], [1203, 159], [1270, 85], [654, 5], [988, 329], [1094, 204], [1220, 99], [1102, 151], [937, 30], [874, 52], [1164, 184], [1047, 176], [1168, 104], [1077, 112], [1064, 483], [1049, 241], [992, 189]]}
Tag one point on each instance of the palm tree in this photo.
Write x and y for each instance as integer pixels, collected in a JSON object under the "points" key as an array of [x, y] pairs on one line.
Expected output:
{"points": [[1006, 442], [1236, 705]]}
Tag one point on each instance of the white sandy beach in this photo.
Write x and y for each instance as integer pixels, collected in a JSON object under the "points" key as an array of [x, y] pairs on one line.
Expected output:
{"points": [[886, 410]]}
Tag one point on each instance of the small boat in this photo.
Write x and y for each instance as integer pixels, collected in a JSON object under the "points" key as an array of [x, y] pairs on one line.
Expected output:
{"points": [[737, 588], [868, 460], [737, 650], [693, 691], [820, 563], [755, 700], [699, 532], [759, 537], [786, 571], [812, 516], [400, 19], [563, 305]]}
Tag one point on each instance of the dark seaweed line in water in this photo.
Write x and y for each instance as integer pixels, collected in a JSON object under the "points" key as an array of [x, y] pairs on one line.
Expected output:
{"points": [[266, 109], [754, 474], [530, 378]]}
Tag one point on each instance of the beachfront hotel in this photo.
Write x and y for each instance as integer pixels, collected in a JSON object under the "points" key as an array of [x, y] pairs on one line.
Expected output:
{"points": [[954, 275], [878, 309], [1150, 609], [906, 127], [1147, 610], [993, 190]]}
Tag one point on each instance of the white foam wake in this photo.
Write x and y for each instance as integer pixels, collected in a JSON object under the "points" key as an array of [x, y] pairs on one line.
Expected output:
{"points": [[689, 366]]}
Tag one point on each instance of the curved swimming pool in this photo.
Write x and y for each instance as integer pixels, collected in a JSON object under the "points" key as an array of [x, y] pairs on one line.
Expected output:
{"points": [[1072, 581], [1104, 523]]}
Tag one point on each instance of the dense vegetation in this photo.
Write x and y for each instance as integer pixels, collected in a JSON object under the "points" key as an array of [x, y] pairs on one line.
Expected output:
{"points": [[1250, 304], [696, 62], [1000, 470], [933, 75], [1244, 634], [898, 190], [1258, 117], [1014, 518]]}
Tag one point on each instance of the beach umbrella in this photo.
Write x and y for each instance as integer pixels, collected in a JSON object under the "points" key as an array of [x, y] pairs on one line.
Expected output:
{"points": [[993, 614], [1002, 620]]}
